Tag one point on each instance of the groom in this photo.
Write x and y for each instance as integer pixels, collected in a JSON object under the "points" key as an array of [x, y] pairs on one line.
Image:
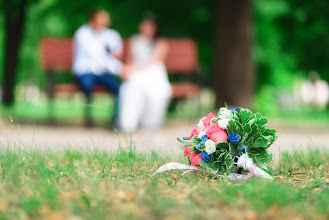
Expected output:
{"points": [[97, 54]]}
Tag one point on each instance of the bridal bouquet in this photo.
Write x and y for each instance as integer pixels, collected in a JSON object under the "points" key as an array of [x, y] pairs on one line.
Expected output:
{"points": [[232, 142]]}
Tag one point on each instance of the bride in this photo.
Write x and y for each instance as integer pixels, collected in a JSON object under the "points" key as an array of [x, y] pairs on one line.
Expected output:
{"points": [[144, 97]]}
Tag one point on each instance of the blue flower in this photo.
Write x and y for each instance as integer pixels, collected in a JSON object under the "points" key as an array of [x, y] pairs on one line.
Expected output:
{"points": [[205, 157], [233, 110], [185, 137], [234, 138], [242, 149], [201, 143]]}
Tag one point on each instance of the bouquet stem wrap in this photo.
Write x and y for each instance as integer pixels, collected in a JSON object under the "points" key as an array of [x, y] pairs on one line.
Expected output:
{"points": [[247, 164]]}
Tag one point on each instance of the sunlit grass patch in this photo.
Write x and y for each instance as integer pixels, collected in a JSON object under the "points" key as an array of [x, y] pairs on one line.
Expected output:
{"points": [[96, 184]]}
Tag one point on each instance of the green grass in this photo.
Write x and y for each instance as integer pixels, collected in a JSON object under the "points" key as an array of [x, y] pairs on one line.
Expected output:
{"points": [[70, 109], [98, 185], [64, 108]]}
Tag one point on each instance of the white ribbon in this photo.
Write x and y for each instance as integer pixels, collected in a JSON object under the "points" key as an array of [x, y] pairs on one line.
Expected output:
{"points": [[243, 162], [246, 163], [175, 166], [188, 168]]}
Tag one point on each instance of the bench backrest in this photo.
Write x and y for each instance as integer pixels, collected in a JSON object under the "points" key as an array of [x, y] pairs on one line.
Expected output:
{"points": [[57, 54]]}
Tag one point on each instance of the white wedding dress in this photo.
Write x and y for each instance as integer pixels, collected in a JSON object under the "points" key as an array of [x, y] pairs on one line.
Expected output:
{"points": [[145, 96]]}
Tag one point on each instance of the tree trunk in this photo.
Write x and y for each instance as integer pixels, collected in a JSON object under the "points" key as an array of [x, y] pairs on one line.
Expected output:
{"points": [[233, 65], [14, 15]]}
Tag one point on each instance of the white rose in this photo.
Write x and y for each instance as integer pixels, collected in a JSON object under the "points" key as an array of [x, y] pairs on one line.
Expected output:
{"points": [[202, 133], [210, 146], [223, 123], [225, 113], [201, 125]]}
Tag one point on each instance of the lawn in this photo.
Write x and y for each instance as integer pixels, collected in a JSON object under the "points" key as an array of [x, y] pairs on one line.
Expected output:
{"points": [[64, 109], [70, 109], [93, 184]]}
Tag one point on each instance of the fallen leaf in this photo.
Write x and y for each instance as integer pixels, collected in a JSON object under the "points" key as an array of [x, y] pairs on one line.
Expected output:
{"points": [[251, 215], [74, 217], [317, 189], [68, 195], [3, 205], [102, 185], [127, 196], [273, 211]]}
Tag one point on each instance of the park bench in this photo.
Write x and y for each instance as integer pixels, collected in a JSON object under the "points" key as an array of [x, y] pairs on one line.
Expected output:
{"points": [[57, 56]]}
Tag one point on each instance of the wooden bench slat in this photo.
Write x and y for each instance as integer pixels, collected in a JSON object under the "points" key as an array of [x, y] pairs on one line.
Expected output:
{"points": [[57, 54], [73, 88], [179, 90], [185, 90]]}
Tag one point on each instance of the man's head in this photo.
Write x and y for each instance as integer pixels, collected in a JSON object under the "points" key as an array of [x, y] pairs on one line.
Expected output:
{"points": [[99, 19]]}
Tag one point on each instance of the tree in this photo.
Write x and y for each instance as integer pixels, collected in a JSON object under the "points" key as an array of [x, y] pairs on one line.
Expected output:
{"points": [[14, 17], [233, 67]]}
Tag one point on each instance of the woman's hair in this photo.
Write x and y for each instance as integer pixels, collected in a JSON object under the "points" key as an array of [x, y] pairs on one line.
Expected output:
{"points": [[150, 17]]}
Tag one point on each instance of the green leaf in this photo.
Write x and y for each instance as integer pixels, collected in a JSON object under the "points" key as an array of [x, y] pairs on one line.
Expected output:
{"points": [[236, 116], [258, 115], [259, 142], [222, 145], [245, 114], [251, 120], [232, 149], [262, 121], [186, 142], [260, 155], [85, 199], [240, 128], [228, 160], [269, 131], [195, 140], [206, 165], [214, 120], [269, 139], [222, 156], [231, 127], [247, 128]]}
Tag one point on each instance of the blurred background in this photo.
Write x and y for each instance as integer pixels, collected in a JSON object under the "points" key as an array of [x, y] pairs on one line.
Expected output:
{"points": [[271, 56]]}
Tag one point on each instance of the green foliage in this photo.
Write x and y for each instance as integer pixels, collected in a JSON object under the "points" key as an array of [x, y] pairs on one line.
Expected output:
{"points": [[291, 37], [50, 18], [254, 136]]}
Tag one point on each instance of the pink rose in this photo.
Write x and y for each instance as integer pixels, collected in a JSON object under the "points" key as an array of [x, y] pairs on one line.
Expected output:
{"points": [[187, 151], [195, 131], [195, 159], [215, 133], [207, 119]]}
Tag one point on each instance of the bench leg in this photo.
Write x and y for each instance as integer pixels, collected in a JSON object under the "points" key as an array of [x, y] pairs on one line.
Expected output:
{"points": [[50, 84], [88, 116], [51, 119]]}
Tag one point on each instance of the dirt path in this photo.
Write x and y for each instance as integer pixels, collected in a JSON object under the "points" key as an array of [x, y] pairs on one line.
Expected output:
{"points": [[163, 141]]}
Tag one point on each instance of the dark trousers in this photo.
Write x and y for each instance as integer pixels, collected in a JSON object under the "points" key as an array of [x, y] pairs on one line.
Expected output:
{"points": [[88, 81]]}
